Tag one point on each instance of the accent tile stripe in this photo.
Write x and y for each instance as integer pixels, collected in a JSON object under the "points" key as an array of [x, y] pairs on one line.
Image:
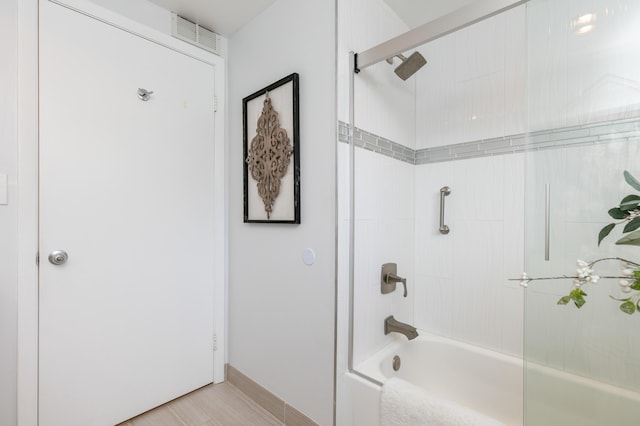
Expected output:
{"points": [[627, 129]]}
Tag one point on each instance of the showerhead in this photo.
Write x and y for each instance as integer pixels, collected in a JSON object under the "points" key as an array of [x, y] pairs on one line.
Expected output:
{"points": [[409, 66]]}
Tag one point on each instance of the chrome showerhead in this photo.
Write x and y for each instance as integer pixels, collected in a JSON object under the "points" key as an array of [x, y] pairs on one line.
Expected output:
{"points": [[409, 66]]}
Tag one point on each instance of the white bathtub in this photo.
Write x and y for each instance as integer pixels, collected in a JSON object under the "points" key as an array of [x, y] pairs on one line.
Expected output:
{"points": [[490, 383]]}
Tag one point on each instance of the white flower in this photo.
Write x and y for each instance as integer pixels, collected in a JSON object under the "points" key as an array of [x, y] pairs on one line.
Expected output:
{"points": [[625, 286], [625, 283], [524, 280], [627, 272], [593, 278]]}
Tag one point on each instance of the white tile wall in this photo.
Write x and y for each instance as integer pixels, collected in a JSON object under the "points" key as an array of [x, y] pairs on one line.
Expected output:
{"points": [[462, 291], [581, 78], [474, 85], [462, 288], [515, 72], [384, 232]]}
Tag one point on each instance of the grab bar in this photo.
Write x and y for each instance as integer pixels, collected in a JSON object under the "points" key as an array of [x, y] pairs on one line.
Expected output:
{"points": [[444, 191], [547, 219]]}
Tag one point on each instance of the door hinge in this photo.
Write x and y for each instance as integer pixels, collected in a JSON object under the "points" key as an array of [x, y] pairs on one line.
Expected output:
{"points": [[215, 104], [37, 259], [215, 342]]}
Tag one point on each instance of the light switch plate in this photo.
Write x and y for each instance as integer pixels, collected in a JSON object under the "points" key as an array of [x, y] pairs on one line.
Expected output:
{"points": [[4, 190]]}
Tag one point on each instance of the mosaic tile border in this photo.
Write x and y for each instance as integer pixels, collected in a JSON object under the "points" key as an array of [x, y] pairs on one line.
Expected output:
{"points": [[627, 129], [375, 143]]}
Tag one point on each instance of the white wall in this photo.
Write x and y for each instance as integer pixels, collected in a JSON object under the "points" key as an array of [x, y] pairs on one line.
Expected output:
{"points": [[141, 11], [8, 213], [281, 312]]}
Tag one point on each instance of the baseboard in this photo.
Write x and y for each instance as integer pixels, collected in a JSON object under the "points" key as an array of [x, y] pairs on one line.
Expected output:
{"points": [[274, 405]]}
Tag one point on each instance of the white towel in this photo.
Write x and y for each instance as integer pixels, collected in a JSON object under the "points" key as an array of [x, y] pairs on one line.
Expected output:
{"points": [[404, 404]]}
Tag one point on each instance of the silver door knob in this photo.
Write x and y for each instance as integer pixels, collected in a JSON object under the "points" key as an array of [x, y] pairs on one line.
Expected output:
{"points": [[58, 257]]}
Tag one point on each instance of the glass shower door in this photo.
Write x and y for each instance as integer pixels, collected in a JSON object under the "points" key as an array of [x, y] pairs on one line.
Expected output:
{"points": [[582, 351]]}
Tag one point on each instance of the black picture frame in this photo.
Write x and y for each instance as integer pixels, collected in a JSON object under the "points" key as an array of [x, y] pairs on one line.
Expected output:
{"points": [[284, 95]]}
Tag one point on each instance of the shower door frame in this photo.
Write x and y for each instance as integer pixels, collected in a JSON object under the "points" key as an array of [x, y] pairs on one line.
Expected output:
{"points": [[433, 30]]}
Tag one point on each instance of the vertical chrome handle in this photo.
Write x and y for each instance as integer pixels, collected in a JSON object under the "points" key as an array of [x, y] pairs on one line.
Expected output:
{"points": [[547, 219], [444, 191]]}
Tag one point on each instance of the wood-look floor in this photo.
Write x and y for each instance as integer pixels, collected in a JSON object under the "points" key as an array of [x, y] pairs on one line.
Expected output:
{"points": [[213, 405]]}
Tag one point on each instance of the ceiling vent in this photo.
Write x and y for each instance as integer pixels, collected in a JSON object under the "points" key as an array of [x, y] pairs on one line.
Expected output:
{"points": [[194, 34]]}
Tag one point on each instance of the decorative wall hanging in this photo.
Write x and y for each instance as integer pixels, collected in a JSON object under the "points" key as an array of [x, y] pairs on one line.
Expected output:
{"points": [[272, 153]]}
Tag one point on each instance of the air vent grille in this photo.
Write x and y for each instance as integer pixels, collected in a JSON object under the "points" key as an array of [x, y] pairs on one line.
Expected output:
{"points": [[194, 34]]}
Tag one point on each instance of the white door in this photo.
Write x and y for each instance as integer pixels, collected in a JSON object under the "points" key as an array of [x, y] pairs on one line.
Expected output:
{"points": [[126, 189]]}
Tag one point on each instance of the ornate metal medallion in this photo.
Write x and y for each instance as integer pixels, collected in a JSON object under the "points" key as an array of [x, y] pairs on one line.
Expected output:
{"points": [[269, 155]]}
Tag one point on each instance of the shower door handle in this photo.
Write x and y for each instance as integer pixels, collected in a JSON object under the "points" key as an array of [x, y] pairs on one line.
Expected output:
{"points": [[444, 191], [547, 219]]}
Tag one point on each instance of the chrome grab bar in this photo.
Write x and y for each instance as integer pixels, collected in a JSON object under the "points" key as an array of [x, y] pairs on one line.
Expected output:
{"points": [[547, 219], [444, 191]]}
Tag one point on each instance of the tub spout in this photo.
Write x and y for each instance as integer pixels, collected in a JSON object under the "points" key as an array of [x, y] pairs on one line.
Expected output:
{"points": [[391, 325]]}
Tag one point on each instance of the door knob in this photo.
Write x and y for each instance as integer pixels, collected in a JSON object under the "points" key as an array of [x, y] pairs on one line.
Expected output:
{"points": [[58, 257]]}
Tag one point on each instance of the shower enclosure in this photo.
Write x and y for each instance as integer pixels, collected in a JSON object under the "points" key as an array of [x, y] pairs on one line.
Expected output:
{"points": [[529, 113]]}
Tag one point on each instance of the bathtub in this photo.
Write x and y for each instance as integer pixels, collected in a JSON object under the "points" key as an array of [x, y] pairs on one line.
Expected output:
{"points": [[490, 383]]}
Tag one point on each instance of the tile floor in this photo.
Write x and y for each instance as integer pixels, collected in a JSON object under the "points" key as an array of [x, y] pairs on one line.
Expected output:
{"points": [[213, 405]]}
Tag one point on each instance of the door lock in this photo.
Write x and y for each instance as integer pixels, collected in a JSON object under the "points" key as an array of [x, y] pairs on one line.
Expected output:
{"points": [[58, 257]]}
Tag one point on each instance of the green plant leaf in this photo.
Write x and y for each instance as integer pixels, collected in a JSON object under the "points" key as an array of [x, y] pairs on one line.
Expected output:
{"points": [[564, 300], [577, 296], [635, 285], [577, 292], [605, 231], [632, 225], [636, 273], [579, 301], [631, 180], [628, 307], [630, 202], [632, 239], [616, 213]]}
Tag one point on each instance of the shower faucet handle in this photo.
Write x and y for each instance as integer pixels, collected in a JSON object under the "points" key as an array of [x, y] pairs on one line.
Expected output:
{"points": [[389, 278]]}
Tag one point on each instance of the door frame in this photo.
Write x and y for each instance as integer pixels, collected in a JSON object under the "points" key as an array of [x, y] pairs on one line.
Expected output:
{"points": [[28, 208]]}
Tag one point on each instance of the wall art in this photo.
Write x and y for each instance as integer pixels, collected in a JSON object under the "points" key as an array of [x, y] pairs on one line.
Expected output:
{"points": [[272, 153]]}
